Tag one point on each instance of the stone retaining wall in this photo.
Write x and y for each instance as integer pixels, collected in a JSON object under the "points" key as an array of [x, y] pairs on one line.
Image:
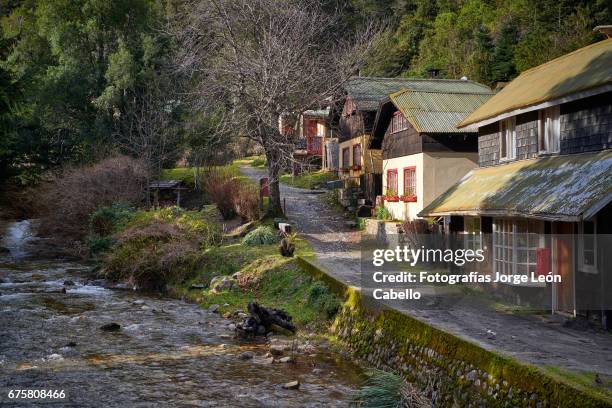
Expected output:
{"points": [[452, 371]]}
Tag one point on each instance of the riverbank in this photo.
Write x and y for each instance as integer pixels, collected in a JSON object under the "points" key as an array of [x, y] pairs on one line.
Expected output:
{"points": [[52, 314]]}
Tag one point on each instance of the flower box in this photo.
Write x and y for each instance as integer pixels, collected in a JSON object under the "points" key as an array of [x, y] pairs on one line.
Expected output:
{"points": [[408, 199], [356, 167], [392, 199]]}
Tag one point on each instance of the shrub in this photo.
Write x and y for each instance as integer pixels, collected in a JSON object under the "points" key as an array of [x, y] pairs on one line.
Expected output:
{"points": [[321, 298], [161, 247], [384, 389], [98, 244], [246, 201], [259, 161], [382, 213], [106, 220], [260, 236], [221, 187], [75, 193]]}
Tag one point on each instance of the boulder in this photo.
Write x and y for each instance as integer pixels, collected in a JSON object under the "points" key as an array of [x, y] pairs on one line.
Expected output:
{"points": [[292, 385], [221, 283], [68, 283], [4, 251], [111, 327], [214, 308], [286, 359], [247, 355]]}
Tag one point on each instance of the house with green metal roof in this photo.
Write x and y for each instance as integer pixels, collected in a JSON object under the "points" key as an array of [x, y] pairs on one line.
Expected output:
{"points": [[423, 153], [361, 162], [540, 201]]}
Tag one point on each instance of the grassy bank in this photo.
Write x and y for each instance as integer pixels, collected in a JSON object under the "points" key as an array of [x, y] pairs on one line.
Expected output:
{"points": [[309, 180]]}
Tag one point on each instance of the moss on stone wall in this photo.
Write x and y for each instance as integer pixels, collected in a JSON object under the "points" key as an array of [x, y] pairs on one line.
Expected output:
{"points": [[451, 370]]}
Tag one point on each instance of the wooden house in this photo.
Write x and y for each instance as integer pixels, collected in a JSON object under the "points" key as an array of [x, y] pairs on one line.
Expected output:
{"points": [[360, 165], [423, 153], [541, 199]]}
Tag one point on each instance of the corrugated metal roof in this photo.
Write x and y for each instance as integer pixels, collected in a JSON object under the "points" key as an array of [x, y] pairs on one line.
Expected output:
{"points": [[367, 92], [587, 68], [555, 188], [320, 113], [438, 112]]}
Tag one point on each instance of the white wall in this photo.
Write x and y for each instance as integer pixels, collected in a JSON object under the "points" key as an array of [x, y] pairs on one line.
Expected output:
{"points": [[435, 172]]}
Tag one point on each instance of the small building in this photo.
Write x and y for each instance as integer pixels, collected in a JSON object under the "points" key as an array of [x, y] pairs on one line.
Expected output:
{"points": [[541, 198], [361, 166], [423, 152], [312, 137]]}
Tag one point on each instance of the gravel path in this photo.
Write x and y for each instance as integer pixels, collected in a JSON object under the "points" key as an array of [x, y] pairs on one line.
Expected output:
{"points": [[537, 339]]}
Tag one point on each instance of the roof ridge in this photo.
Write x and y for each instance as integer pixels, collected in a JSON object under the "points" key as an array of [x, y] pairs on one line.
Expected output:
{"points": [[420, 79], [404, 90], [561, 57]]}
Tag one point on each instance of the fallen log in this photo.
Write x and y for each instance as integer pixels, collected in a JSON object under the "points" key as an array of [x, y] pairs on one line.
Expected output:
{"points": [[262, 321]]}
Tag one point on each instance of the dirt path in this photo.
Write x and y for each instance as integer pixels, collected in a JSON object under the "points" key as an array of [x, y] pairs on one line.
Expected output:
{"points": [[541, 340]]}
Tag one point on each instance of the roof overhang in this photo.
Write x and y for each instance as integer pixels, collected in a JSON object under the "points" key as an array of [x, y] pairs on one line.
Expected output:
{"points": [[558, 188], [552, 102]]}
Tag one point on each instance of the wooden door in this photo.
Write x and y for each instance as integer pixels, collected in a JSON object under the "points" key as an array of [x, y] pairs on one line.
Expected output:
{"points": [[564, 264]]}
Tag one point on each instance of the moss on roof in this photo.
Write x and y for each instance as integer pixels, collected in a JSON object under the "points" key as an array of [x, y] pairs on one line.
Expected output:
{"points": [[556, 188], [581, 70]]}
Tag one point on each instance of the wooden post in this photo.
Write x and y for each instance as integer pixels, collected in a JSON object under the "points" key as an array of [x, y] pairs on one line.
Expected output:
{"points": [[178, 197]]}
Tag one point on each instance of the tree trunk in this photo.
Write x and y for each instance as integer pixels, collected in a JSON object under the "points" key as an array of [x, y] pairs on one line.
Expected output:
{"points": [[274, 204]]}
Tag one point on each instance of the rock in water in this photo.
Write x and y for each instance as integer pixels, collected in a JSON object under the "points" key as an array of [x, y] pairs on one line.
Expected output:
{"points": [[293, 385], [214, 308], [111, 327], [68, 283], [247, 355]]}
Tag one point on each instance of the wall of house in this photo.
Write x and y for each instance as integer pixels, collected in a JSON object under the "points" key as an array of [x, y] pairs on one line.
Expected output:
{"points": [[436, 172], [586, 125], [371, 159]]}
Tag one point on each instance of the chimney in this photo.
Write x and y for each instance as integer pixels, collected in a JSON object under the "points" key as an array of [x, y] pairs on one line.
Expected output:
{"points": [[434, 73], [605, 30]]}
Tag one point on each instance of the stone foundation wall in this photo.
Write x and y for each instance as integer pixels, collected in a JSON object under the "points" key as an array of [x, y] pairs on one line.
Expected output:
{"points": [[453, 372]]}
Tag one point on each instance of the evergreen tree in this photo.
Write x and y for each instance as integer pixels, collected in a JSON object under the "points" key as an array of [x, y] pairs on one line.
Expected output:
{"points": [[503, 67]]}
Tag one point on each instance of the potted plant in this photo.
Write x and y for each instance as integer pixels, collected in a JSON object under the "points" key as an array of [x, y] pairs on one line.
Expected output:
{"points": [[391, 196], [408, 198]]}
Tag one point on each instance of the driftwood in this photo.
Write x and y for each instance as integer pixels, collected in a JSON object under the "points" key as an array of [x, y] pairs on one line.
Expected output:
{"points": [[262, 321]]}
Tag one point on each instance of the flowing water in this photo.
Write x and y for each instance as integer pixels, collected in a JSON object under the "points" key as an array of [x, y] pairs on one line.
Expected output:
{"points": [[167, 353]]}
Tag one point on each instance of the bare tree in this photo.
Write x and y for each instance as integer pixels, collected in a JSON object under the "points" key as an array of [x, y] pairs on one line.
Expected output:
{"points": [[263, 58], [148, 129]]}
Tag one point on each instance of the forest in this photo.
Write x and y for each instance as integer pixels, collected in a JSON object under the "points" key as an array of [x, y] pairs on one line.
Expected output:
{"points": [[81, 79]]}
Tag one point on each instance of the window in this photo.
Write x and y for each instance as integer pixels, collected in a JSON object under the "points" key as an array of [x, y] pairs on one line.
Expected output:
{"points": [[398, 123], [515, 243], [410, 183], [391, 182], [587, 247], [357, 155], [549, 130], [345, 158], [472, 233], [507, 138], [320, 129]]}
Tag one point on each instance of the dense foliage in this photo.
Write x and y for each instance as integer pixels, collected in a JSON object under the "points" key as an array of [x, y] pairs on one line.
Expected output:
{"points": [[485, 40], [80, 79]]}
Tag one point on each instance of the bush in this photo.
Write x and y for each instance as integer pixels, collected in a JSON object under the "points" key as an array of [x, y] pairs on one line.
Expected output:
{"points": [[107, 220], [259, 161], [382, 213], [323, 299], [260, 236], [72, 195], [221, 187], [161, 247], [246, 201], [97, 244]]}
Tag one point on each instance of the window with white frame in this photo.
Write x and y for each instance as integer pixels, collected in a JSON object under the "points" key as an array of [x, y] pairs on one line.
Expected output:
{"points": [[398, 123], [507, 134], [345, 157], [515, 243], [587, 247], [472, 233], [549, 131]]}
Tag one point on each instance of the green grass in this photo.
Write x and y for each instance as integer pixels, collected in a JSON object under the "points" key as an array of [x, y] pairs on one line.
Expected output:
{"points": [[253, 161], [584, 381], [267, 278], [309, 180]]}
